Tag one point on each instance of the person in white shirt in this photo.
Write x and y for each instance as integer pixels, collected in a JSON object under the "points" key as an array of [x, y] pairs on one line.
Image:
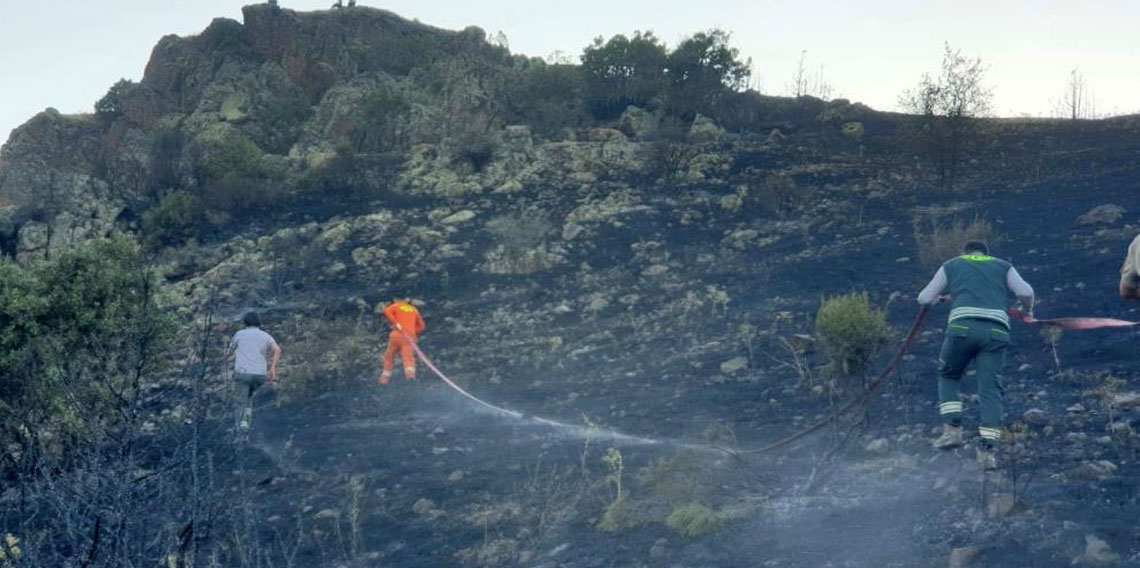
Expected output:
{"points": [[256, 355]]}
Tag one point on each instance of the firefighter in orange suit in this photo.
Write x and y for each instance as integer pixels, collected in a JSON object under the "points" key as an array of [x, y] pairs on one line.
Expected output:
{"points": [[406, 324]]}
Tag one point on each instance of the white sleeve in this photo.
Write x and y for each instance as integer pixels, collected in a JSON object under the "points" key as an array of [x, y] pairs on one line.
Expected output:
{"points": [[1019, 287], [929, 295]]}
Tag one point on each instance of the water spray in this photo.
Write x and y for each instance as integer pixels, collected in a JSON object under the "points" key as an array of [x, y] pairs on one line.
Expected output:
{"points": [[618, 436]]}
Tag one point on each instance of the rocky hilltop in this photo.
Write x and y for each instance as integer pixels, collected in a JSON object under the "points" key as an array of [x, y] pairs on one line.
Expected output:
{"points": [[648, 275]]}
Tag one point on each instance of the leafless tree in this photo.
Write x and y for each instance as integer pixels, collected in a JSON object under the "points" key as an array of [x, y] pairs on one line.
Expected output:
{"points": [[810, 82], [1077, 102], [947, 106]]}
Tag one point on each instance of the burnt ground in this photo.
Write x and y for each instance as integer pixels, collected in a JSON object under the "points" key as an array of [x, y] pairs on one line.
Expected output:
{"points": [[528, 494]]}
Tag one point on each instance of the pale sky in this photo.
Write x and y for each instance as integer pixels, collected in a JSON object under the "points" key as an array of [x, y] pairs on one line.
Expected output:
{"points": [[66, 53]]}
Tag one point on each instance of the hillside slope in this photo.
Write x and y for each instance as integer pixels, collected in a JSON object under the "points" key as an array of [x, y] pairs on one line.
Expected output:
{"points": [[655, 293]]}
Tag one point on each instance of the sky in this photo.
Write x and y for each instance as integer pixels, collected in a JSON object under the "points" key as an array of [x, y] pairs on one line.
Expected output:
{"points": [[66, 53]]}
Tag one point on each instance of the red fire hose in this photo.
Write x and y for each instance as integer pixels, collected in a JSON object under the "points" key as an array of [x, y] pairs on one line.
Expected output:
{"points": [[1071, 323], [857, 401]]}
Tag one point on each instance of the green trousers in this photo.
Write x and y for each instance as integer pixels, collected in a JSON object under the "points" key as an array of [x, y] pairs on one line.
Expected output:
{"points": [[984, 342], [245, 385]]}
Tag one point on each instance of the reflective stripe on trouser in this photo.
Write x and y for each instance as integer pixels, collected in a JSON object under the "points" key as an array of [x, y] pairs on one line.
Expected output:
{"points": [[397, 342], [245, 384], [984, 342]]}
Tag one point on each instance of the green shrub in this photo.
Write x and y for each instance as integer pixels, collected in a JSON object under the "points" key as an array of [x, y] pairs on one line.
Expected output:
{"points": [[381, 113], [548, 97], [694, 520], [81, 339], [282, 121], [110, 106], [172, 222], [618, 516], [676, 479], [226, 152], [938, 242], [851, 332]]}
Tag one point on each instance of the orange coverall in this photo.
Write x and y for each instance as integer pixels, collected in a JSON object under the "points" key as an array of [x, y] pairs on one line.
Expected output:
{"points": [[403, 316]]}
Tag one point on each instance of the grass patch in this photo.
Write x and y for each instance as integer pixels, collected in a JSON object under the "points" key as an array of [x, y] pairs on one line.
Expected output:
{"points": [[695, 520], [938, 242]]}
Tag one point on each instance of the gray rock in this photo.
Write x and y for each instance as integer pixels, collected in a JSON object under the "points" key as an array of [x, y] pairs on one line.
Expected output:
{"points": [[1095, 470], [640, 122], [734, 365], [1035, 416], [1126, 400], [705, 131], [423, 506], [459, 218], [1101, 215], [1097, 552], [963, 556], [878, 446], [1000, 505]]}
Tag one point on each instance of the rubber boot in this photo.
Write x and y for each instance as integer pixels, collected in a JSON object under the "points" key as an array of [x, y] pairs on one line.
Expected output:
{"points": [[986, 457], [951, 437]]}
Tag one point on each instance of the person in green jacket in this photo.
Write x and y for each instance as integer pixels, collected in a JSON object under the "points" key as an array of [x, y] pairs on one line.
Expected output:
{"points": [[978, 287]]}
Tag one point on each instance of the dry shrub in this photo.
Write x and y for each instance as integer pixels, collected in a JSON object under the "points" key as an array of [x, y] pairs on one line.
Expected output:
{"points": [[523, 231], [938, 241], [329, 356]]}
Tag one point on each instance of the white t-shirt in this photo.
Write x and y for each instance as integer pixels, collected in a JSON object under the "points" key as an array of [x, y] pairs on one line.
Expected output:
{"points": [[1130, 272], [252, 349]]}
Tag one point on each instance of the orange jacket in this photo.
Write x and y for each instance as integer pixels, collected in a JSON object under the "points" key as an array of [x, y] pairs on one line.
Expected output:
{"points": [[406, 316]]}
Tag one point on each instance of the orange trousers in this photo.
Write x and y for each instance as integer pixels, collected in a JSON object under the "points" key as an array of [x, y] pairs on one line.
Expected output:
{"points": [[397, 342]]}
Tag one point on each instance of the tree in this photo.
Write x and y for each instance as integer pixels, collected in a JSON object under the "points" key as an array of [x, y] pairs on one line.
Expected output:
{"points": [[702, 69], [81, 336], [1077, 101], [110, 106], [622, 72], [547, 96], [947, 106], [810, 83]]}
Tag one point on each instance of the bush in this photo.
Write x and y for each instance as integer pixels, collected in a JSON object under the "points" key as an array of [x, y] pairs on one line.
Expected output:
{"points": [[226, 152], [471, 146], [851, 332], [110, 106], [669, 154], [694, 520], [940, 242], [519, 233], [235, 178], [173, 222], [547, 97], [381, 113], [81, 338], [282, 121]]}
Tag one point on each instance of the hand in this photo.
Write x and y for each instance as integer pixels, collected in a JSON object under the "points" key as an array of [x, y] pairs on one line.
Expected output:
{"points": [[399, 327], [272, 375], [945, 299]]}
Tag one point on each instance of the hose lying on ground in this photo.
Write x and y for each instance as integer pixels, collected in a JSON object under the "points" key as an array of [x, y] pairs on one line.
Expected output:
{"points": [[858, 400]]}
